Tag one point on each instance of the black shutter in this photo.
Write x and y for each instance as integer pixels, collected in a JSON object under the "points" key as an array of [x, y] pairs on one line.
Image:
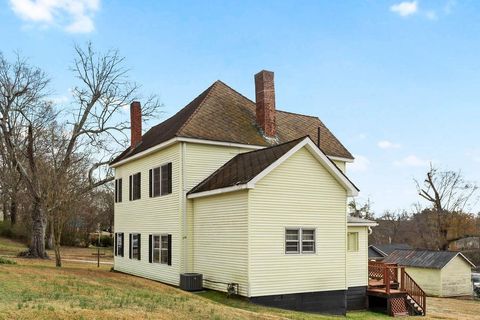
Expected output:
{"points": [[150, 251], [139, 192], [130, 188], [150, 183], [139, 246], [169, 249], [122, 248], [130, 246], [120, 190], [116, 190], [170, 177], [115, 243]]}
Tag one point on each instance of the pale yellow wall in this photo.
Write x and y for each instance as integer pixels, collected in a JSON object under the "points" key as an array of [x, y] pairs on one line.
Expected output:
{"points": [[357, 262], [201, 160], [341, 165], [221, 246], [298, 193], [428, 279], [456, 278], [150, 216]]}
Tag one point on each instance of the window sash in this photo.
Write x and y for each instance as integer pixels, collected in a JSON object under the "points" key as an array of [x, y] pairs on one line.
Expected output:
{"points": [[156, 249], [119, 244], [135, 186], [300, 240], [135, 246], [164, 249], [161, 180]]}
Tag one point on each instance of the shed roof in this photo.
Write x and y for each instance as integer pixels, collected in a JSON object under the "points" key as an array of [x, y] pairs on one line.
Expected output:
{"points": [[386, 249], [222, 114], [423, 258], [352, 221]]}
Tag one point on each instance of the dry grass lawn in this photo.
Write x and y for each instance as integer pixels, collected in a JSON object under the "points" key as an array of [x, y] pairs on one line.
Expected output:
{"points": [[34, 289]]}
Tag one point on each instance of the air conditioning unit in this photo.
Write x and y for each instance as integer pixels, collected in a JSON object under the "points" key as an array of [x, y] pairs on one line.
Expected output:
{"points": [[191, 281]]}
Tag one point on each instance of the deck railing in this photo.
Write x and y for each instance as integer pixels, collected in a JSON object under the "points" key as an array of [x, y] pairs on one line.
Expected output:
{"points": [[388, 275]]}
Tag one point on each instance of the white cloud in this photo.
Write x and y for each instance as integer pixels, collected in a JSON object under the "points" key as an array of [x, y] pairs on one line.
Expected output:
{"points": [[448, 7], [74, 16], [385, 144], [405, 8], [360, 164], [412, 161]]}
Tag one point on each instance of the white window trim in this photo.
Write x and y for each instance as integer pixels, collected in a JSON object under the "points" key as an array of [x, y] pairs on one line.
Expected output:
{"points": [[357, 245], [300, 240], [131, 245]]}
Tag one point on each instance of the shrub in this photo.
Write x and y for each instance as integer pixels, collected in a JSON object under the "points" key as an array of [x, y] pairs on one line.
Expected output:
{"points": [[105, 241], [6, 261]]}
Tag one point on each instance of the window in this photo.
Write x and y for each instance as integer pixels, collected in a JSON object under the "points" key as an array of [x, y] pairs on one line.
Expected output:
{"points": [[119, 244], [161, 249], [118, 190], [292, 241], [308, 240], [301, 240], [160, 180], [352, 240], [134, 190], [135, 246]]}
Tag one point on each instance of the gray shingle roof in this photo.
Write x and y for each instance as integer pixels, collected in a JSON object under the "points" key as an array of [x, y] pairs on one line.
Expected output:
{"points": [[389, 248], [354, 220], [423, 258]]}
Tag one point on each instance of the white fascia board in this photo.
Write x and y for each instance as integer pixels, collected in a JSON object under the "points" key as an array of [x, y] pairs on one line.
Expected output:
{"points": [[146, 152], [362, 224], [220, 191], [341, 159]]}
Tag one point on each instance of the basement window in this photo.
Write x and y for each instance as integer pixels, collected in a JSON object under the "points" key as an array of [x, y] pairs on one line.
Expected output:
{"points": [[299, 240], [352, 242]]}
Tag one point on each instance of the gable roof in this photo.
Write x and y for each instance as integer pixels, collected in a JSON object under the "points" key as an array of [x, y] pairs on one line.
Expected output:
{"points": [[386, 249], [374, 254], [423, 258], [245, 169], [222, 114]]}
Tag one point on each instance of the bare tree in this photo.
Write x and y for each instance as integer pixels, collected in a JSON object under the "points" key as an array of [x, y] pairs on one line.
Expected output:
{"points": [[93, 133], [360, 210], [448, 193]]}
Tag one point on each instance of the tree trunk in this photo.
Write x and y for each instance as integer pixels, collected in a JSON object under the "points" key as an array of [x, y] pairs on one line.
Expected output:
{"points": [[57, 232], [39, 224], [13, 211], [58, 257], [51, 237]]}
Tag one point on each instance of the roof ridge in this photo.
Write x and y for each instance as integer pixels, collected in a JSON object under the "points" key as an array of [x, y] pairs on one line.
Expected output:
{"points": [[209, 91], [273, 146]]}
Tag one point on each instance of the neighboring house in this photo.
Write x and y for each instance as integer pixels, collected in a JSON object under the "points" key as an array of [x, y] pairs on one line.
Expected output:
{"points": [[438, 273], [252, 198], [379, 251], [467, 243]]}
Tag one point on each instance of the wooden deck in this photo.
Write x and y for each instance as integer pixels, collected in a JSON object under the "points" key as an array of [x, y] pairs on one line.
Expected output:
{"points": [[390, 288]]}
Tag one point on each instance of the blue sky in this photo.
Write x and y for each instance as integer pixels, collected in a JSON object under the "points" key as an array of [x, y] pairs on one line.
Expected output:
{"points": [[396, 81]]}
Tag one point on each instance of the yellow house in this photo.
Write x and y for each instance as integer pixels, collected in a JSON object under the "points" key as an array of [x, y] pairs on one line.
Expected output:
{"points": [[247, 198], [438, 273]]}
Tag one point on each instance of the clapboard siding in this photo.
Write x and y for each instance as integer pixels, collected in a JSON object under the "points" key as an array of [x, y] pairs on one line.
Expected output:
{"points": [[357, 262], [150, 215], [221, 246], [341, 165], [298, 193], [201, 160], [456, 278]]}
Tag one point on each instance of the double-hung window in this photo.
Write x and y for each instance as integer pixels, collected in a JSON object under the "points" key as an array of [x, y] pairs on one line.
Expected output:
{"points": [[352, 241], [118, 190], [135, 246], [161, 249], [299, 240], [134, 187], [160, 180], [119, 244]]}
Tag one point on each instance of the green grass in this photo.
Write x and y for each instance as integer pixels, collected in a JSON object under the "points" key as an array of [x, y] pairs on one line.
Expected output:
{"points": [[6, 261]]}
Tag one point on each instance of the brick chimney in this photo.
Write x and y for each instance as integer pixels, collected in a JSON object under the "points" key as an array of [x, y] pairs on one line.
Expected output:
{"points": [[265, 101], [135, 124]]}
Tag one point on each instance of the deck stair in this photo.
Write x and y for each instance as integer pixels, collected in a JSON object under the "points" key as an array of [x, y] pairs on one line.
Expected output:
{"points": [[392, 288]]}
